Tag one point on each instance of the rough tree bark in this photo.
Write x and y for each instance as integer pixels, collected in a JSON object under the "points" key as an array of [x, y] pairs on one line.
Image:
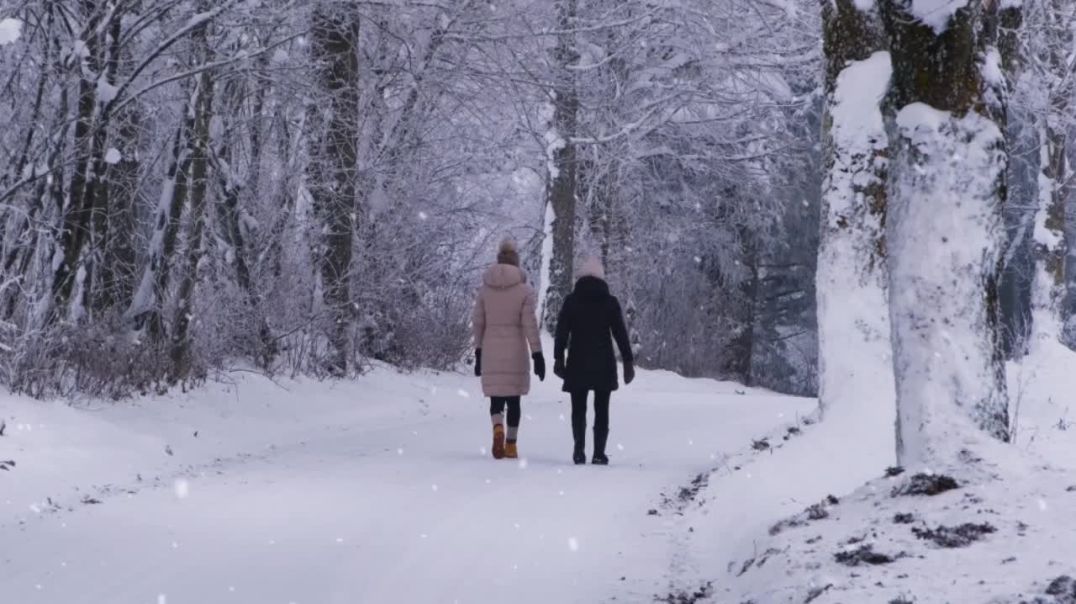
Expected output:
{"points": [[944, 235], [199, 185], [144, 311], [333, 168], [90, 132], [1051, 244], [855, 366], [563, 179], [114, 210]]}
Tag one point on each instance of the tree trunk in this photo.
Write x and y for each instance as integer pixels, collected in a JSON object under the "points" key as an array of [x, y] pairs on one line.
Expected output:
{"points": [[561, 189], [88, 142], [855, 366], [332, 173], [1051, 243], [229, 214], [944, 236], [144, 312], [119, 270], [199, 185], [114, 210]]}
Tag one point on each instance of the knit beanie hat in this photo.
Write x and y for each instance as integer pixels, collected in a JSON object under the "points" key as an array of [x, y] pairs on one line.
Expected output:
{"points": [[508, 253], [591, 267]]}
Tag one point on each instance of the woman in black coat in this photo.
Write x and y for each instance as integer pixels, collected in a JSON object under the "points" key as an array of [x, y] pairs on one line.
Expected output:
{"points": [[589, 321]]}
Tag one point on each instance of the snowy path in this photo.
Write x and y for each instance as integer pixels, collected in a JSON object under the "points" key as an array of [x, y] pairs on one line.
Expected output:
{"points": [[379, 491]]}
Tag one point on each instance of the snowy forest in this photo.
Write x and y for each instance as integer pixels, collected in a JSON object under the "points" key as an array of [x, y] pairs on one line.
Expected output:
{"points": [[839, 231]]}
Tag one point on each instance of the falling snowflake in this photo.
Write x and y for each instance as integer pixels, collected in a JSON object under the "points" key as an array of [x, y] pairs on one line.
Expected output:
{"points": [[423, 216], [433, 487], [182, 488], [463, 393], [523, 464], [1042, 505], [10, 30], [619, 447], [573, 544], [162, 599]]}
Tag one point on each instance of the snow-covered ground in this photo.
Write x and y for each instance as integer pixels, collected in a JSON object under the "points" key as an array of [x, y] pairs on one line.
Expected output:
{"points": [[1006, 533], [379, 489], [382, 489]]}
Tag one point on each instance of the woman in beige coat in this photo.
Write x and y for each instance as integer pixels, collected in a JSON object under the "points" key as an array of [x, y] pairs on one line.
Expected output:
{"points": [[505, 332]]}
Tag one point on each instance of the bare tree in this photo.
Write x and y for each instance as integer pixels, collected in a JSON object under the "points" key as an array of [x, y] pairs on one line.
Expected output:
{"points": [[331, 177], [197, 214], [563, 163]]}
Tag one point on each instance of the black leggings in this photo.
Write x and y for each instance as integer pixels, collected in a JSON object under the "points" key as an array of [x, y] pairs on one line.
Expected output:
{"points": [[496, 406], [601, 410]]}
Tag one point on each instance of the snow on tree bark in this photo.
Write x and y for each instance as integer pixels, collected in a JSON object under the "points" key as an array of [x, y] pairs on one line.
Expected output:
{"points": [[563, 179], [944, 236], [855, 352], [90, 132], [333, 167], [203, 113], [144, 311], [1052, 247]]}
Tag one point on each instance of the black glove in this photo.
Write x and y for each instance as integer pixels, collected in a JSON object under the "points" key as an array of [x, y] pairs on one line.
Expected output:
{"points": [[539, 365], [558, 368], [629, 373], [478, 362]]}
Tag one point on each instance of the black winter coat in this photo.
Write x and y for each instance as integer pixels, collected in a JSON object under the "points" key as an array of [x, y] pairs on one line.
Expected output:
{"points": [[588, 322]]}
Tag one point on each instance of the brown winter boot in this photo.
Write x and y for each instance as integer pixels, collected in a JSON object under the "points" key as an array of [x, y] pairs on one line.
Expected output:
{"points": [[510, 450], [498, 441]]}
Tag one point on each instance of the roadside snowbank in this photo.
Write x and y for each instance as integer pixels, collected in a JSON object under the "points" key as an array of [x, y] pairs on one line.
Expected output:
{"points": [[1004, 534]]}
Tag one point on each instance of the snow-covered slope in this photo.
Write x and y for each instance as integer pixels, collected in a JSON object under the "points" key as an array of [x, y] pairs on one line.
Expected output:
{"points": [[1002, 531], [379, 489]]}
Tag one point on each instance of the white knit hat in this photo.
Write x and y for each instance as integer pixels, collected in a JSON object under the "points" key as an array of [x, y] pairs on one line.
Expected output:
{"points": [[591, 267]]}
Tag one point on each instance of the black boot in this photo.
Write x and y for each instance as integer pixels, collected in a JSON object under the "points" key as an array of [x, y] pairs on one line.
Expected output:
{"points": [[599, 448], [579, 433]]}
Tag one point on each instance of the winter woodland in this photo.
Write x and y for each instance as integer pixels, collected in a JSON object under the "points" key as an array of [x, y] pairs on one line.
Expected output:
{"points": [[865, 202]]}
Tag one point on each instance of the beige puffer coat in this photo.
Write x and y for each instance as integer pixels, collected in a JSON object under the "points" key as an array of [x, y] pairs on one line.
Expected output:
{"points": [[506, 330]]}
